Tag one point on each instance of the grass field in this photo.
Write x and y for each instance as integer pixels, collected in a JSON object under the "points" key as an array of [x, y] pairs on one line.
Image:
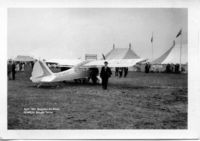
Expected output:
{"points": [[140, 101]]}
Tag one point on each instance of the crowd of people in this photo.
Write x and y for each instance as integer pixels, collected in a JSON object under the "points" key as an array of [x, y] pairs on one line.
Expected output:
{"points": [[13, 67], [121, 72], [172, 68], [169, 68], [94, 72], [106, 73]]}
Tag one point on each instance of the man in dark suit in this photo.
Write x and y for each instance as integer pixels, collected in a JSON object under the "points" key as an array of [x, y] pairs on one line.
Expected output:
{"points": [[105, 74], [9, 69], [13, 71]]}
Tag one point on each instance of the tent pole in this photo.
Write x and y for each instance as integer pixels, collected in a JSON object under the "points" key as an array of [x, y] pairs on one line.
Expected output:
{"points": [[152, 51], [152, 46]]}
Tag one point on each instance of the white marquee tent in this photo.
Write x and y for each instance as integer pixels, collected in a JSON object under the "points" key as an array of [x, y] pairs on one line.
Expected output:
{"points": [[121, 53], [173, 55]]}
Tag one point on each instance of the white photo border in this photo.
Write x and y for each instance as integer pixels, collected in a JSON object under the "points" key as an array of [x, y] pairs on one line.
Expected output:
{"points": [[193, 72]]}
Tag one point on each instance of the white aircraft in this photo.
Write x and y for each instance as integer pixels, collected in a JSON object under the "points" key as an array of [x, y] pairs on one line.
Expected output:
{"points": [[64, 62], [42, 74]]}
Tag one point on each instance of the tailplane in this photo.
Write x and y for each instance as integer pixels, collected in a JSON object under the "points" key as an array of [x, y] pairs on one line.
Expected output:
{"points": [[40, 69]]}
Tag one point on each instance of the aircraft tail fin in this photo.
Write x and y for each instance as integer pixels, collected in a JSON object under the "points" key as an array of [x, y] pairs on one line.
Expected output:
{"points": [[40, 69]]}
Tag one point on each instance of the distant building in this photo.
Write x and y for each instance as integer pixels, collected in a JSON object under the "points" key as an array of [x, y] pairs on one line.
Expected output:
{"points": [[90, 56], [21, 58], [121, 53]]}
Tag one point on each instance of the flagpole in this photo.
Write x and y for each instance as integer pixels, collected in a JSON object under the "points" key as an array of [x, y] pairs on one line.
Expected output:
{"points": [[152, 50], [152, 45], [180, 51]]}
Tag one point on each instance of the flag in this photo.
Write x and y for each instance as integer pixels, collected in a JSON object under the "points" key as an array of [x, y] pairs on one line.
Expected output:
{"points": [[179, 33], [104, 58]]}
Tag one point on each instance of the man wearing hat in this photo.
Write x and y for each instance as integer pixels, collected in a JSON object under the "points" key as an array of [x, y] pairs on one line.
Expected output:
{"points": [[105, 74]]}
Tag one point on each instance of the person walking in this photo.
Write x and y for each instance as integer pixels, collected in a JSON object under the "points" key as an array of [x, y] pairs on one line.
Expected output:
{"points": [[105, 74]]}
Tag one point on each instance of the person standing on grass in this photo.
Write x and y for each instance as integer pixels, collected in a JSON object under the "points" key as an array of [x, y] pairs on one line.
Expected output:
{"points": [[105, 74], [20, 66], [125, 71], [13, 71], [116, 71], [147, 67], [9, 69], [120, 72]]}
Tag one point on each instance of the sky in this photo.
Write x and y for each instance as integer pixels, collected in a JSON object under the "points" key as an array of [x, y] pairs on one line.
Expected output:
{"points": [[70, 33]]}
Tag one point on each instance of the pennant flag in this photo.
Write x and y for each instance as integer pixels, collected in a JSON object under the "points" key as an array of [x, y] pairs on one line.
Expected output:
{"points": [[104, 58], [152, 38], [179, 33]]}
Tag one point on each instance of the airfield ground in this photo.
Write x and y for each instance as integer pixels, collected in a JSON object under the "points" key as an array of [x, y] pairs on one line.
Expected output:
{"points": [[140, 101]]}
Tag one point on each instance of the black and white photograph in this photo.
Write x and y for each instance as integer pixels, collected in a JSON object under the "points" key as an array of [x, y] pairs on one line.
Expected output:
{"points": [[93, 68], [99, 72]]}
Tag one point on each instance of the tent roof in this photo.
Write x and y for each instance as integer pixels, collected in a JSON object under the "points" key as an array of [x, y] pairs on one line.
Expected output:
{"points": [[162, 57], [21, 58], [172, 55], [121, 53]]}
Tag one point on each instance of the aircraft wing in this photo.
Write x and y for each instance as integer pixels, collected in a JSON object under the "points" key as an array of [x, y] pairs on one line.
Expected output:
{"points": [[114, 63], [65, 62]]}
